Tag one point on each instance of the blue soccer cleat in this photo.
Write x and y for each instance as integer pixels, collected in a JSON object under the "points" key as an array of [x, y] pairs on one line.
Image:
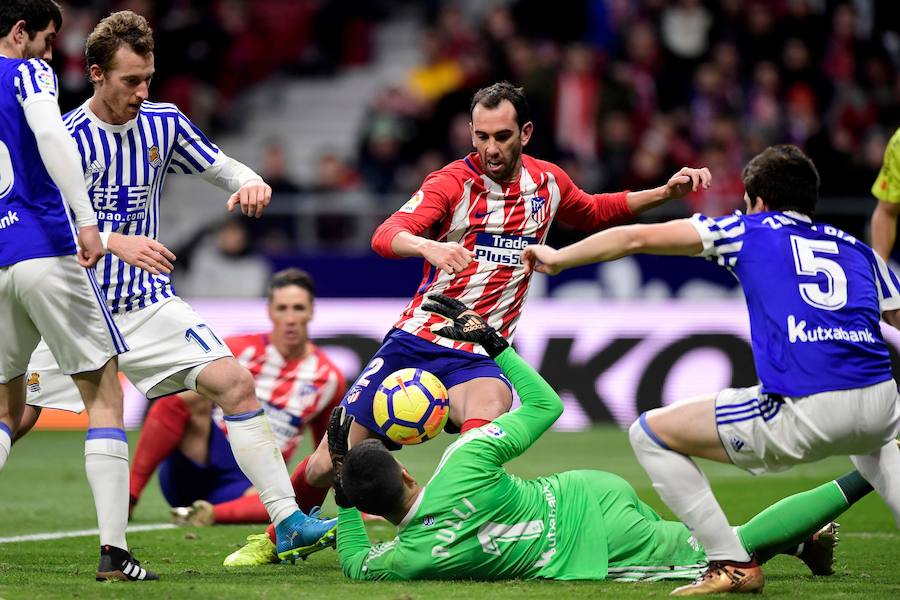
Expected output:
{"points": [[300, 535]]}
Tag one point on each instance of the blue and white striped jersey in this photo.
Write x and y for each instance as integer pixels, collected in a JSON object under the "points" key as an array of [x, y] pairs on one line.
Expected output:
{"points": [[34, 219], [815, 296], [124, 169]]}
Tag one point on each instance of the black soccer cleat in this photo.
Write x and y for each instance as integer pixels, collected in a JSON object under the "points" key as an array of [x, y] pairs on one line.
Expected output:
{"points": [[818, 551], [118, 565]]}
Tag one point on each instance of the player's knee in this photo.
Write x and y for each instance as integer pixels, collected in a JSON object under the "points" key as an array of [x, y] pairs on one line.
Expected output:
{"points": [[238, 388], [640, 438]]}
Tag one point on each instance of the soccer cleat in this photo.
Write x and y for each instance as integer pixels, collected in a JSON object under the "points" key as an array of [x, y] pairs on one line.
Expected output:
{"points": [[118, 565], [300, 535], [198, 514], [818, 551], [259, 550], [723, 576]]}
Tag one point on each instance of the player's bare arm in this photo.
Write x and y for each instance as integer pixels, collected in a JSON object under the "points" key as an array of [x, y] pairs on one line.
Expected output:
{"points": [[686, 180], [450, 257], [678, 238], [142, 252], [884, 228]]}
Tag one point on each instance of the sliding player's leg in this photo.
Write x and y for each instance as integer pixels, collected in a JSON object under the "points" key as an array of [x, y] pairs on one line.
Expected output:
{"points": [[801, 524]]}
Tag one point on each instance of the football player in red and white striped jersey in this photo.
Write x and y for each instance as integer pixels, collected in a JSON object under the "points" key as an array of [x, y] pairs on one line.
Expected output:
{"points": [[470, 222], [297, 385]]}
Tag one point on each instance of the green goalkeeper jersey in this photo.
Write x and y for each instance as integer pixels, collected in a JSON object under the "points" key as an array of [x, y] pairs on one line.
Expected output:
{"points": [[473, 520]]}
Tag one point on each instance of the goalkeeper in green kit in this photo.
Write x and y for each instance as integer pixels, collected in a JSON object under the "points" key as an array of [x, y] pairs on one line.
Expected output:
{"points": [[473, 520]]}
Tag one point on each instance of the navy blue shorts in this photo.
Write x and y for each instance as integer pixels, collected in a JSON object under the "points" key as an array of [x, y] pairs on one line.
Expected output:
{"points": [[401, 350], [183, 481]]}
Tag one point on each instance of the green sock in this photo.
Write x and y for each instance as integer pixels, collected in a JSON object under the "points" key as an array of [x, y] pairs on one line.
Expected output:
{"points": [[792, 520]]}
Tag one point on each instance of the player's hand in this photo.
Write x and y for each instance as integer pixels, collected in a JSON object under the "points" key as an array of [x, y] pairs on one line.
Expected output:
{"points": [[90, 247], [254, 196], [142, 252], [449, 257], [338, 446], [464, 325], [541, 258], [339, 434], [687, 180]]}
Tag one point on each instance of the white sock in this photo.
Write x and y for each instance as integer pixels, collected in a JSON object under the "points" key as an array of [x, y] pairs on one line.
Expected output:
{"points": [[257, 454], [882, 470], [685, 490], [106, 465], [5, 444]]}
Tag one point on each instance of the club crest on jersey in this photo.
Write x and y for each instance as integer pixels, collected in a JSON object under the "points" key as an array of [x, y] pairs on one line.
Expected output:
{"points": [[33, 383], [413, 202], [353, 395], [538, 208], [505, 250], [153, 156]]}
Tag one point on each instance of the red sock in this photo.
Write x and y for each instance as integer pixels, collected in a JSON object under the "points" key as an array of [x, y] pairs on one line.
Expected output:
{"points": [[472, 424], [246, 509], [308, 496], [162, 432], [271, 531]]}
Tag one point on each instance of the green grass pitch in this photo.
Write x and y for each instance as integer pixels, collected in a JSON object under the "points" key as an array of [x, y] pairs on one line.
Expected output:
{"points": [[43, 489]]}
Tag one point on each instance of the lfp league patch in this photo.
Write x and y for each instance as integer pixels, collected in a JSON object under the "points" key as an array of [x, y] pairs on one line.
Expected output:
{"points": [[494, 430], [413, 202]]}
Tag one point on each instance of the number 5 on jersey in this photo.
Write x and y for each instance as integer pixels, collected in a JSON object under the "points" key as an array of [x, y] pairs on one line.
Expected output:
{"points": [[834, 296]]}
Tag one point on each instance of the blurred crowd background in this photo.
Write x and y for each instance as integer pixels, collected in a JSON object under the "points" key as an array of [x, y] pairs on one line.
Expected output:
{"points": [[345, 105]]}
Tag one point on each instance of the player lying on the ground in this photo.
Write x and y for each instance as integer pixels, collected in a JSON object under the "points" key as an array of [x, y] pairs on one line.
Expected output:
{"points": [[128, 145], [48, 287], [815, 296], [469, 222], [297, 385], [473, 520]]}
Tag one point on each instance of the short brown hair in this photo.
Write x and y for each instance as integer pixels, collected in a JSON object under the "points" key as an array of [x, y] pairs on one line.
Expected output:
{"points": [[784, 177], [493, 95], [291, 276], [123, 28]]}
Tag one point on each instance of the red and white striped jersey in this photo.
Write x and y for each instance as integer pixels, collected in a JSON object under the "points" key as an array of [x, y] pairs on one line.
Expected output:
{"points": [[459, 203], [292, 392]]}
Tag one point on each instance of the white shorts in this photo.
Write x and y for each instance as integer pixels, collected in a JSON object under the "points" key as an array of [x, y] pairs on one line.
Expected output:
{"points": [[59, 300], [762, 434], [169, 344]]}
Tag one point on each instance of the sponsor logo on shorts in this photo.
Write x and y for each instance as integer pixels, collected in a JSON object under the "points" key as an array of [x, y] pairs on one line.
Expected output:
{"points": [[33, 382], [737, 444], [494, 430], [798, 331], [503, 250], [353, 395]]}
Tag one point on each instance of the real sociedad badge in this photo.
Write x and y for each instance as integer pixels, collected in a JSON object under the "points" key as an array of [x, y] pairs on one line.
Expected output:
{"points": [[153, 156]]}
